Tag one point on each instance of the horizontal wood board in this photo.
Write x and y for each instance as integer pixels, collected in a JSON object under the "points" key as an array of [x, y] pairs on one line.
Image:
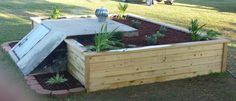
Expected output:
{"points": [[120, 70]]}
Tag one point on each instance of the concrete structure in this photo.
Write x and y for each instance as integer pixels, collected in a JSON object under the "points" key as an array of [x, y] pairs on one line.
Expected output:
{"points": [[29, 52]]}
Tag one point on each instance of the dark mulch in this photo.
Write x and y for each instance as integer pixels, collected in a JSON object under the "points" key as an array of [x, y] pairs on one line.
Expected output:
{"points": [[12, 44], [145, 28], [85, 39], [69, 84]]}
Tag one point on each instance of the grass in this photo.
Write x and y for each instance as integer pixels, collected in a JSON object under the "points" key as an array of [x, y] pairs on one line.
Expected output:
{"points": [[217, 14]]}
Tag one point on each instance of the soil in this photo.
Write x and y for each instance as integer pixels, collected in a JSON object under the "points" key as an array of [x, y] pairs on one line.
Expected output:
{"points": [[12, 44], [144, 29], [69, 84]]}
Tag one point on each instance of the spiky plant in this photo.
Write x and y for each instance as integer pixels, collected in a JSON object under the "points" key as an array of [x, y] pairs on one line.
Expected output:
{"points": [[211, 34], [56, 13], [105, 40], [153, 39], [58, 79], [194, 29], [162, 29], [122, 9]]}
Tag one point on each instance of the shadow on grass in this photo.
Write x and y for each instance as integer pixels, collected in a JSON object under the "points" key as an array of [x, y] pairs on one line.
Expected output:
{"points": [[231, 64], [214, 87], [14, 15], [220, 5]]}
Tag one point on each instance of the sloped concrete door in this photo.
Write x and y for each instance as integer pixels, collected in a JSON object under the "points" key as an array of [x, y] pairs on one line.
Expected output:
{"points": [[29, 41]]}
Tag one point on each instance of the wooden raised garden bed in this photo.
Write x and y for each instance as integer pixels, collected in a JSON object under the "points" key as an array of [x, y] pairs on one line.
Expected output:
{"points": [[145, 64]]}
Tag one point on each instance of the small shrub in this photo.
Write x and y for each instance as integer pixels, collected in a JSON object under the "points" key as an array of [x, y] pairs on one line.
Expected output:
{"points": [[105, 40], [58, 79], [159, 0], [162, 29], [56, 13], [135, 23], [211, 34], [194, 30], [122, 9], [153, 39]]}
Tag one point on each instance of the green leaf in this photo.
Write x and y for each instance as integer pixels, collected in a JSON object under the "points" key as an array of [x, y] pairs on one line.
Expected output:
{"points": [[105, 40], [56, 79], [122, 7], [194, 30]]}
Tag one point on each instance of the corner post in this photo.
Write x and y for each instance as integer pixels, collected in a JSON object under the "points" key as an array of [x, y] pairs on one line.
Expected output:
{"points": [[224, 57]]}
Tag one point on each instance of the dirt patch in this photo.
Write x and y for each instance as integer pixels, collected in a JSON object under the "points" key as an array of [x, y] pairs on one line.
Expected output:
{"points": [[145, 28], [12, 44], [69, 84]]}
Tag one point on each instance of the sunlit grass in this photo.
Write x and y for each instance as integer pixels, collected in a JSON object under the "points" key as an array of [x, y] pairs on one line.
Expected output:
{"points": [[219, 15], [14, 15]]}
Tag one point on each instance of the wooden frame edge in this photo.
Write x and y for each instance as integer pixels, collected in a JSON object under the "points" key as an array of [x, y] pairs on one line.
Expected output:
{"points": [[224, 57], [87, 73]]}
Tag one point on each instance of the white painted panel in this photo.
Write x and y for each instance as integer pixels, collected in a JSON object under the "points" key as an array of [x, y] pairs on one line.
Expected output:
{"points": [[28, 42]]}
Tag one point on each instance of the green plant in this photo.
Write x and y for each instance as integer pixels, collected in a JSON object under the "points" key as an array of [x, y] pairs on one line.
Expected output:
{"points": [[122, 9], [194, 30], [105, 40], [56, 13], [211, 34], [162, 29], [153, 39], [58, 79], [135, 23]]}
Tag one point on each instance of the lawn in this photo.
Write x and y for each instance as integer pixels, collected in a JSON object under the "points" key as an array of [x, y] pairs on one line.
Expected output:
{"points": [[219, 15]]}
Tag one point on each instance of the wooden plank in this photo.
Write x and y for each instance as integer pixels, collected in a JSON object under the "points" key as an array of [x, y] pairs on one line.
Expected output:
{"points": [[123, 56], [154, 59], [165, 46], [151, 80], [74, 45], [143, 75], [137, 68], [76, 74], [76, 52], [72, 67], [87, 73], [224, 58], [193, 49], [76, 60], [125, 63], [149, 53], [77, 67], [193, 55]]}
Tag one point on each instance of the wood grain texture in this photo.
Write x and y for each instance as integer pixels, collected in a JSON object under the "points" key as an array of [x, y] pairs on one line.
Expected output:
{"points": [[116, 69], [119, 70], [224, 58], [76, 61]]}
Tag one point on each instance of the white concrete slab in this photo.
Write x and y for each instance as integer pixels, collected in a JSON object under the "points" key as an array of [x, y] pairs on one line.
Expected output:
{"points": [[86, 26], [28, 53]]}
